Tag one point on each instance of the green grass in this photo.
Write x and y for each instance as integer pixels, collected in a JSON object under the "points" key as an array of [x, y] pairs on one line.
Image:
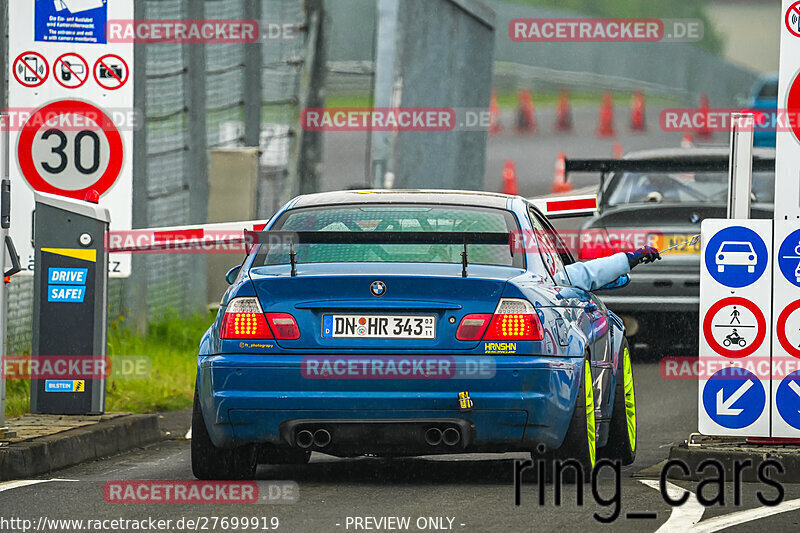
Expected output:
{"points": [[171, 345], [509, 100]]}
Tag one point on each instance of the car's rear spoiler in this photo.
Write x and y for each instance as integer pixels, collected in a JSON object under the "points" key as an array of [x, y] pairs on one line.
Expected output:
{"points": [[293, 238], [677, 164]]}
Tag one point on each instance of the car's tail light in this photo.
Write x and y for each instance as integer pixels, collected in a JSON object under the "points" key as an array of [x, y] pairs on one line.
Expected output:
{"points": [[284, 326], [243, 319], [597, 243], [473, 327], [513, 320]]}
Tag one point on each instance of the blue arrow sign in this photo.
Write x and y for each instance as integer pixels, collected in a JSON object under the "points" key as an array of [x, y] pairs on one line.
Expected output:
{"points": [[787, 399], [789, 258], [734, 398], [736, 256]]}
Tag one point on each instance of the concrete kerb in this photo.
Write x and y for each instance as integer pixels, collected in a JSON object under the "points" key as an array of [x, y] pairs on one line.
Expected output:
{"points": [[21, 460]]}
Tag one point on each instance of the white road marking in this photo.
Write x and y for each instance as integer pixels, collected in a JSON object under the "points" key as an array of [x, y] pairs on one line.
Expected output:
{"points": [[10, 485], [189, 434], [740, 517], [682, 518]]}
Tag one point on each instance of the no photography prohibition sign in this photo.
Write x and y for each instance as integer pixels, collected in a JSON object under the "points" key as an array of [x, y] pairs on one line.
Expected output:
{"points": [[70, 147]]}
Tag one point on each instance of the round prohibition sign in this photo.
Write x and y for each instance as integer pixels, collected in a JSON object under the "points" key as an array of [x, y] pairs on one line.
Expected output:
{"points": [[74, 71], [781, 329], [31, 69], [793, 106], [761, 327], [111, 72], [793, 19], [71, 160]]}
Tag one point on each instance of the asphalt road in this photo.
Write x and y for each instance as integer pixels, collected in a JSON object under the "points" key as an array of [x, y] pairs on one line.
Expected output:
{"points": [[475, 491], [534, 155]]}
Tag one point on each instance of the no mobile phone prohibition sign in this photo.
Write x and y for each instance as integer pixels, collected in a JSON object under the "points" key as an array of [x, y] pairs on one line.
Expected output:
{"points": [[70, 147]]}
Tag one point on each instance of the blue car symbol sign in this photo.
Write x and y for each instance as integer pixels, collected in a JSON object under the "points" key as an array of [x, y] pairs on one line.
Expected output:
{"points": [[789, 258], [736, 256], [378, 288], [734, 398]]}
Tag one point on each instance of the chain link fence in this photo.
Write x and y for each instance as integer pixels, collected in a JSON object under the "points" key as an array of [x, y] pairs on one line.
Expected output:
{"points": [[195, 97]]}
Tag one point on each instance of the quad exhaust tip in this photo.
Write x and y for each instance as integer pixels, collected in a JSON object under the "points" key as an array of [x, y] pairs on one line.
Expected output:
{"points": [[433, 436], [451, 436], [322, 438], [304, 439]]}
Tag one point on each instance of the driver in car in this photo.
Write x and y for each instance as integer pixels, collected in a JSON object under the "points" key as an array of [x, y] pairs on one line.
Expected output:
{"points": [[596, 273]]}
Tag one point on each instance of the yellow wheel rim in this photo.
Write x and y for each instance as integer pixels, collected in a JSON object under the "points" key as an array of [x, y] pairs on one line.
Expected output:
{"points": [[630, 400], [590, 427]]}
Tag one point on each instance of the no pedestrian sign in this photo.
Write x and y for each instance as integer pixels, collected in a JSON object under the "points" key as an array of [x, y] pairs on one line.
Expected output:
{"points": [[70, 147]]}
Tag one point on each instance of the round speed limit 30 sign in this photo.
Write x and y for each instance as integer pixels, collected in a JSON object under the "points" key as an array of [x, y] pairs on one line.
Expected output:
{"points": [[70, 147]]}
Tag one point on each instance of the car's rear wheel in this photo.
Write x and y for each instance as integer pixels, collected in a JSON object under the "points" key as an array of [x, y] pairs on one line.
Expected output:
{"points": [[623, 434], [210, 462], [577, 454]]}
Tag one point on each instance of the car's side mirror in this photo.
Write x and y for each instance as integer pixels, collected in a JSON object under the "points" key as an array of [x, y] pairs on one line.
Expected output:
{"points": [[618, 283], [232, 274]]}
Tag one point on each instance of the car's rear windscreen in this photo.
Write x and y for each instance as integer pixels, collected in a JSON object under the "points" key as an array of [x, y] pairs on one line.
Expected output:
{"points": [[394, 218]]}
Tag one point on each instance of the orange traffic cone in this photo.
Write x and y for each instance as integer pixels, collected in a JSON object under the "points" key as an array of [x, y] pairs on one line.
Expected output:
{"points": [[563, 112], [638, 112], [686, 142], [526, 114], [605, 126], [560, 183], [704, 133], [494, 116], [617, 152], [510, 178]]}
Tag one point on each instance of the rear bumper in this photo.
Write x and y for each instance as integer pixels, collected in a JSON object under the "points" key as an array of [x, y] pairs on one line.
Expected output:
{"points": [[265, 399]]}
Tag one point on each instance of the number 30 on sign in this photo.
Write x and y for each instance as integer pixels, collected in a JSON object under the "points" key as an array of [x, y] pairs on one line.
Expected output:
{"points": [[70, 147]]}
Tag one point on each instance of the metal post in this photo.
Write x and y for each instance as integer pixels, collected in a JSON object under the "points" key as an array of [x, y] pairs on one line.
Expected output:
{"points": [[4, 179], [136, 285], [306, 152], [194, 84], [388, 12], [253, 66], [3, 58], [740, 180]]}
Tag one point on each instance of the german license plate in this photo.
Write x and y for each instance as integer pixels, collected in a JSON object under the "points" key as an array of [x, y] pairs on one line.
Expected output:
{"points": [[662, 242], [379, 326]]}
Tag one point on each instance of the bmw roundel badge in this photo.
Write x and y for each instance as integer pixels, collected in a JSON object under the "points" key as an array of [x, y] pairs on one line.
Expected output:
{"points": [[378, 288]]}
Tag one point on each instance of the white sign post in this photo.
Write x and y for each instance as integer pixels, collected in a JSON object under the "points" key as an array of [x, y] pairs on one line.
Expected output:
{"points": [[786, 270], [71, 111]]}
